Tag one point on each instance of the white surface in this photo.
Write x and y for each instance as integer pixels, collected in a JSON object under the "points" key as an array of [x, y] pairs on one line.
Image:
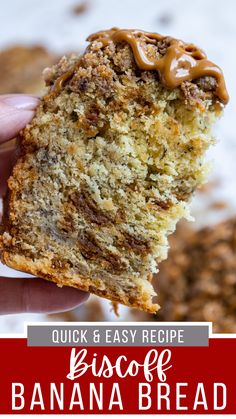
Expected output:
{"points": [[207, 23]]}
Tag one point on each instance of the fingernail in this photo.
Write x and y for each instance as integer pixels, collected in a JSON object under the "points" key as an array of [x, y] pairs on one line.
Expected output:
{"points": [[24, 102]]}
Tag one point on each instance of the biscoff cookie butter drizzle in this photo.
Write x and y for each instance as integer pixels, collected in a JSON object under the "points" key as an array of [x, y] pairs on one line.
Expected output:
{"points": [[181, 62]]}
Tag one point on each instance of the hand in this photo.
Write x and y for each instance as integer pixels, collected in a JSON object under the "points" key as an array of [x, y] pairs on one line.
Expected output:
{"points": [[22, 295]]}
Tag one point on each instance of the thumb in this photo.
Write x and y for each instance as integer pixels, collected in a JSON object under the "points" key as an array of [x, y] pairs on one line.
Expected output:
{"points": [[15, 112]]}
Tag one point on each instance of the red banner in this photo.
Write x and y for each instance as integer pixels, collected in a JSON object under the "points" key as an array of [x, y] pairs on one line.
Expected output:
{"points": [[113, 380]]}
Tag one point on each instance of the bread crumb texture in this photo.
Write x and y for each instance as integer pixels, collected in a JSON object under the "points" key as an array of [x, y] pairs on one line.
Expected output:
{"points": [[108, 166]]}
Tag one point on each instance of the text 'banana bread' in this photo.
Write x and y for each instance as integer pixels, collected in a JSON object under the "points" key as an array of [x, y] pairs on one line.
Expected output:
{"points": [[109, 163]]}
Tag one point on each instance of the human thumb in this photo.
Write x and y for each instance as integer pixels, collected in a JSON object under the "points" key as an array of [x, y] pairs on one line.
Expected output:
{"points": [[15, 112]]}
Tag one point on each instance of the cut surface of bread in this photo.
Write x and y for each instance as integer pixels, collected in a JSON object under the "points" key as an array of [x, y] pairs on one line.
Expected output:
{"points": [[107, 168]]}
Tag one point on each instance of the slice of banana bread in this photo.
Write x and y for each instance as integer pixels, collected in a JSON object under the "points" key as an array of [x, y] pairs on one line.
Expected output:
{"points": [[109, 163]]}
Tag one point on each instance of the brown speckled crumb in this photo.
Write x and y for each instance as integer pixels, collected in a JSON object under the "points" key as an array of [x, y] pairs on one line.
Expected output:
{"points": [[108, 166], [115, 308]]}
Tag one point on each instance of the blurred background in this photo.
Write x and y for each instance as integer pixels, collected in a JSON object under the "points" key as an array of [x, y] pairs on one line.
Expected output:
{"points": [[198, 281]]}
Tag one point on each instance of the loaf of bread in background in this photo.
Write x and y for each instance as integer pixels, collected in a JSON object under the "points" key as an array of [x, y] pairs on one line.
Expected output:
{"points": [[21, 69]]}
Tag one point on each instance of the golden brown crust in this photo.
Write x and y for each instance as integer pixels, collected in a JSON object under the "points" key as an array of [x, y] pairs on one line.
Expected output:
{"points": [[141, 301]]}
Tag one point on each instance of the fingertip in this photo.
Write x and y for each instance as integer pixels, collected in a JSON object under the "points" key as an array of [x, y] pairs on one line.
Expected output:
{"points": [[46, 297], [12, 120], [20, 101], [68, 298], [35, 295]]}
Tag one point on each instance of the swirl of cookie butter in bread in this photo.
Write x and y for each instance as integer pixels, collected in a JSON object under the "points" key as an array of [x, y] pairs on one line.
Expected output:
{"points": [[180, 63]]}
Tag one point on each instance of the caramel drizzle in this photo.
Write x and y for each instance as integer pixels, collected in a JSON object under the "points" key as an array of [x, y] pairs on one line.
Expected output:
{"points": [[180, 63]]}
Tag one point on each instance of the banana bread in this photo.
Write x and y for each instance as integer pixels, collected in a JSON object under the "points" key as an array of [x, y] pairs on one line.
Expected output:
{"points": [[109, 163]]}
